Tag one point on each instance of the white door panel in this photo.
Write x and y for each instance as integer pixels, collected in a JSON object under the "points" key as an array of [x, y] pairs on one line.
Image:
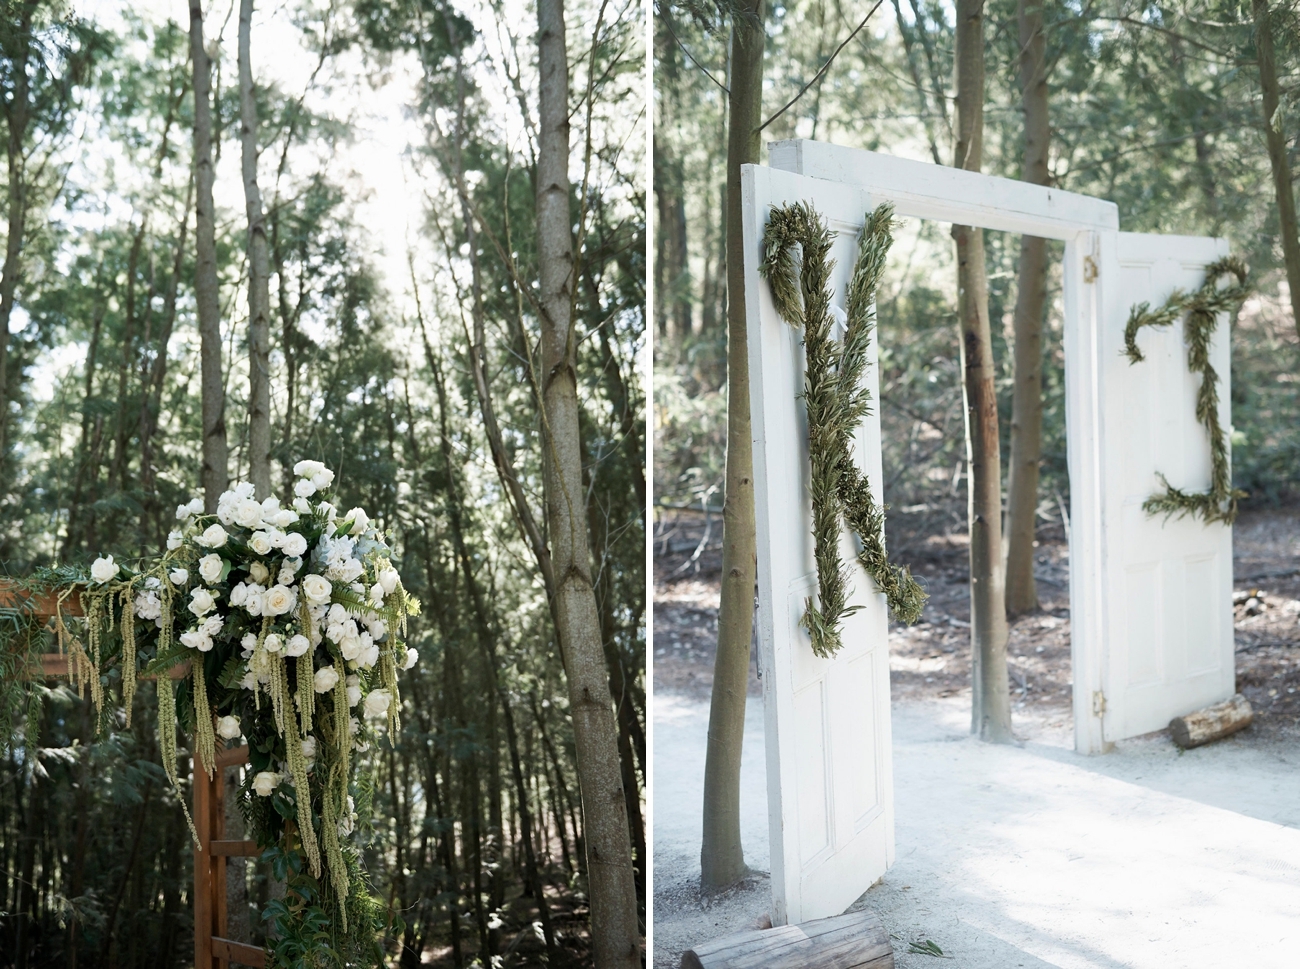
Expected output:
{"points": [[828, 741], [1170, 646]]}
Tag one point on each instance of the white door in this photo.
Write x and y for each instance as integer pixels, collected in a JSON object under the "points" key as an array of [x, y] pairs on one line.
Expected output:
{"points": [[829, 768], [1169, 648]]}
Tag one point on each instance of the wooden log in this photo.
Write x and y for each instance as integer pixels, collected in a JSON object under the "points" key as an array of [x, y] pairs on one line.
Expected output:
{"points": [[1212, 723], [854, 941]]}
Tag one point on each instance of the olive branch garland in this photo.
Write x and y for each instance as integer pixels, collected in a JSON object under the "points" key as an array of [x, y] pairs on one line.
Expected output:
{"points": [[836, 405], [1202, 308]]}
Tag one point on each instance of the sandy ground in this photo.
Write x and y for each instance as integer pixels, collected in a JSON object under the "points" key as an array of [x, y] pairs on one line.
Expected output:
{"points": [[1008, 856]]}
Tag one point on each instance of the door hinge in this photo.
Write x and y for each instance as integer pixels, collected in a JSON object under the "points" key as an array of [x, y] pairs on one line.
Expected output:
{"points": [[1089, 269], [1098, 703]]}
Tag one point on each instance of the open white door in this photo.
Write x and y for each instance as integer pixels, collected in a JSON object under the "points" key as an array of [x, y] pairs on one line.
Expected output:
{"points": [[829, 769], [1169, 642]]}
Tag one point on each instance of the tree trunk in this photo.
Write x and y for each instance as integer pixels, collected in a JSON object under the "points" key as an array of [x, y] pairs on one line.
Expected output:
{"points": [[614, 929], [990, 696], [259, 293], [215, 475], [1031, 298], [1277, 155], [722, 859]]}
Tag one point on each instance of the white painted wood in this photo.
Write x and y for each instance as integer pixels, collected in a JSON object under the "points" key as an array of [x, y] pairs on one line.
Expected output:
{"points": [[830, 775], [1169, 642]]}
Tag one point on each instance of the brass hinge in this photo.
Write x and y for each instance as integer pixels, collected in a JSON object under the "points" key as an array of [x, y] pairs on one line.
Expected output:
{"points": [[1098, 703], [1089, 269]]}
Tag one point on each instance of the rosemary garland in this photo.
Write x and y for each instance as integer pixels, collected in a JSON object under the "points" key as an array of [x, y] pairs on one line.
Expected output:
{"points": [[836, 405], [1202, 308]]}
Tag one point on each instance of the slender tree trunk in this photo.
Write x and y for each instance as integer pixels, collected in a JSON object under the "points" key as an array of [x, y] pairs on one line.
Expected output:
{"points": [[215, 451], [1277, 156], [722, 859], [117, 471], [616, 938], [259, 294], [17, 117], [990, 697], [1031, 299]]}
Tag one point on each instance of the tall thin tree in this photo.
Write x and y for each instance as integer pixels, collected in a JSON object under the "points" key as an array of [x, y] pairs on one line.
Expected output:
{"points": [[207, 296], [614, 926], [722, 859], [990, 696], [259, 293], [1031, 299]]}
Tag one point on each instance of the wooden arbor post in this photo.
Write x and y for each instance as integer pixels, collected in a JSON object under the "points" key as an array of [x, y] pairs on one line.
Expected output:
{"points": [[211, 949]]}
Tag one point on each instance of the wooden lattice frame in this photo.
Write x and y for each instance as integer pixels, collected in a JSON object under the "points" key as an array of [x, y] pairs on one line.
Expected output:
{"points": [[212, 950]]}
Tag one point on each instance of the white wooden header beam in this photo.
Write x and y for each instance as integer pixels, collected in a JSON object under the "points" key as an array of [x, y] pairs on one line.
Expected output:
{"points": [[926, 191]]}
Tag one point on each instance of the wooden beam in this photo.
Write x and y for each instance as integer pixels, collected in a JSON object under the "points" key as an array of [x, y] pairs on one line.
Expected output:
{"points": [[44, 605], [232, 757], [240, 952], [234, 849], [858, 940], [56, 665]]}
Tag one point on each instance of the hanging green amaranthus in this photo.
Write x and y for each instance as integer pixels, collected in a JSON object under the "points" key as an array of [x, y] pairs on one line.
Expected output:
{"points": [[1202, 308], [836, 404]]}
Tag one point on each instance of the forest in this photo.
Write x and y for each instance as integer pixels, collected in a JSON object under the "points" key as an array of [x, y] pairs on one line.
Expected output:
{"points": [[323, 231]]}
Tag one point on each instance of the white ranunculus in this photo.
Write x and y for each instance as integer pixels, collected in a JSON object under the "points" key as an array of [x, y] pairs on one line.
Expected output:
{"points": [[214, 537], [272, 643], [359, 520], [304, 488], [202, 602], [326, 678], [104, 569], [412, 657], [297, 645], [266, 782], [294, 545], [261, 543], [369, 657], [388, 578], [210, 568], [377, 702], [259, 573], [309, 747], [179, 576], [228, 728], [316, 588], [278, 600], [174, 539], [305, 469]]}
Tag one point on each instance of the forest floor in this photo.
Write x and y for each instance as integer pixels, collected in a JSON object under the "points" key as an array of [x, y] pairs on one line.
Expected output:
{"points": [[930, 670]]}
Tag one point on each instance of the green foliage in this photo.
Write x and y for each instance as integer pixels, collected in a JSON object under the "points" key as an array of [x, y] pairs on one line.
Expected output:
{"points": [[836, 404]]}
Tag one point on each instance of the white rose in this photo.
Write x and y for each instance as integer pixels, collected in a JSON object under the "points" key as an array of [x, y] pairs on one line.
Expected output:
{"points": [[285, 577], [173, 539], [350, 647], [261, 543], [293, 545], [302, 506], [316, 588], [182, 512], [266, 781], [272, 643], [248, 513], [228, 728], [377, 704], [249, 681], [249, 642], [213, 624], [369, 657], [278, 600], [284, 518], [326, 678], [259, 573], [304, 488], [337, 614], [378, 629], [104, 569], [214, 537], [305, 469], [354, 694], [309, 747], [195, 507], [412, 657], [322, 479], [388, 578], [253, 601], [148, 605], [270, 506], [239, 594], [359, 520], [377, 593], [260, 663], [179, 576], [297, 645], [197, 639], [210, 568], [202, 602]]}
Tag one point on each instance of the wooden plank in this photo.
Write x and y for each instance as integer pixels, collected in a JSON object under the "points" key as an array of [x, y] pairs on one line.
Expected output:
{"points": [[43, 605], [858, 940], [203, 913], [239, 952], [233, 756], [218, 803], [234, 849], [56, 664], [1213, 723]]}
